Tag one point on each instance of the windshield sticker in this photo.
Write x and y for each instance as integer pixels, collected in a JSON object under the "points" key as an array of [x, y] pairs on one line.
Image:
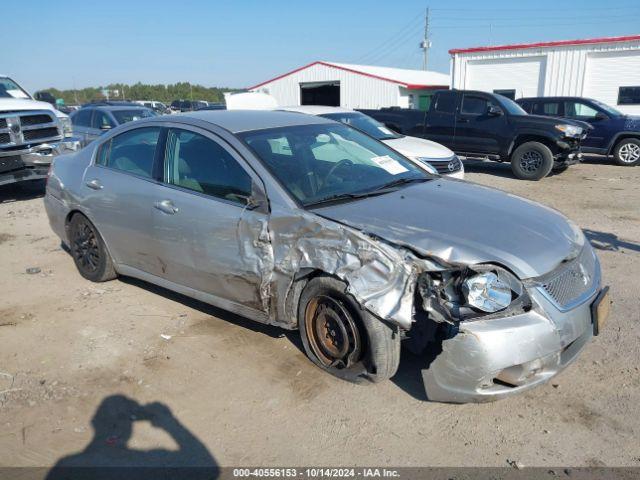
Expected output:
{"points": [[17, 94], [389, 164], [385, 130]]}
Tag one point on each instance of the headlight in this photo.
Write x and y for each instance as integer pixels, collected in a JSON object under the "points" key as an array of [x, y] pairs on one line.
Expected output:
{"points": [[67, 127], [491, 290], [569, 130], [426, 165]]}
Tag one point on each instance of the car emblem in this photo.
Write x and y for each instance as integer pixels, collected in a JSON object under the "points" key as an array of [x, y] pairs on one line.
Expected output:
{"points": [[451, 166], [15, 128]]}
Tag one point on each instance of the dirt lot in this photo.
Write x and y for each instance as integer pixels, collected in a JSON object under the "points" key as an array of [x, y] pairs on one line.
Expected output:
{"points": [[243, 394]]}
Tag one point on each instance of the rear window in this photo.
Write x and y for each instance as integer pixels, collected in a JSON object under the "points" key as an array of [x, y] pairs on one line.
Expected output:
{"points": [[82, 117]]}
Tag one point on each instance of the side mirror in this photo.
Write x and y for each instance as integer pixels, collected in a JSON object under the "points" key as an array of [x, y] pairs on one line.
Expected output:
{"points": [[494, 111], [258, 199], [601, 116]]}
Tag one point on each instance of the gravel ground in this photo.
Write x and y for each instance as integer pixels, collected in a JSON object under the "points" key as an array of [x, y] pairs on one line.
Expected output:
{"points": [[184, 382]]}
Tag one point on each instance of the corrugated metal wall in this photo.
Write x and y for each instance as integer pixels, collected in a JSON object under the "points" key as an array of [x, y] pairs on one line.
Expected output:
{"points": [[356, 91], [568, 69]]}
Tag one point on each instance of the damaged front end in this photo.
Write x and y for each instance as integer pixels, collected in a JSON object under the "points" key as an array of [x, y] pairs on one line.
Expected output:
{"points": [[486, 335]]}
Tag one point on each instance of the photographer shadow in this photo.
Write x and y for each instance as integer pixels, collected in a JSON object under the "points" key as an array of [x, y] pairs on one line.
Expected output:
{"points": [[108, 455]]}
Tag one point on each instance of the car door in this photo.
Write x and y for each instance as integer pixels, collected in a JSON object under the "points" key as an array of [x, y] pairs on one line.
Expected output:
{"points": [[583, 111], [208, 236], [119, 190], [477, 128]]}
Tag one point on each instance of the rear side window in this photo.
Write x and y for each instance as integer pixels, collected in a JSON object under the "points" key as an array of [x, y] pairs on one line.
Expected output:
{"points": [[131, 152], [547, 108], [82, 118], [197, 163], [445, 102]]}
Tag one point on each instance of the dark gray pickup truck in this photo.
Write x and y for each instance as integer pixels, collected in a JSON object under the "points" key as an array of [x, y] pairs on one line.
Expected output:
{"points": [[485, 125]]}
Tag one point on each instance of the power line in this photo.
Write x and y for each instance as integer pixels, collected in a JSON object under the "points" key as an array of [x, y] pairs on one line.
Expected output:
{"points": [[392, 38], [389, 48]]}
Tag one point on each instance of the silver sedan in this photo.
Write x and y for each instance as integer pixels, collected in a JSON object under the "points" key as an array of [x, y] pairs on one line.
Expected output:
{"points": [[308, 224]]}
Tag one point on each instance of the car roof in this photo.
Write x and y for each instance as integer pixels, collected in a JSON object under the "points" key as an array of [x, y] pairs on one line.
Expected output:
{"points": [[316, 109], [237, 121], [554, 98]]}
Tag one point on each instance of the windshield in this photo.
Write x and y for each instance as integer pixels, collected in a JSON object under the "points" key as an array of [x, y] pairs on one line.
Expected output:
{"points": [[608, 109], [10, 89], [512, 107], [124, 116], [316, 163], [364, 123]]}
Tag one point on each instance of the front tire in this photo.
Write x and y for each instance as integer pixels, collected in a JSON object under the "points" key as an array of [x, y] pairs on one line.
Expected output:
{"points": [[88, 250], [531, 161], [344, 339], [627, 152]]}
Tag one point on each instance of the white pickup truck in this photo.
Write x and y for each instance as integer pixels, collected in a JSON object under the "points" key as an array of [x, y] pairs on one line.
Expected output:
{"points": [[32, 133]]}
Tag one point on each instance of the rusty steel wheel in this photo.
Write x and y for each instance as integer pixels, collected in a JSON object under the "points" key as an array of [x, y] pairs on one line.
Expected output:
{"points": [[332, 333]]}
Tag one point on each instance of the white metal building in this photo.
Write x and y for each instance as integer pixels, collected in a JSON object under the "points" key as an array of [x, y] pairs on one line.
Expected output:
{"points": [[606, 69], [354, 86]]}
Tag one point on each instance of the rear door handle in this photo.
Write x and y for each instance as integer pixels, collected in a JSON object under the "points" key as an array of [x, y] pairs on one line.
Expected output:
{"points": [[166, 206], [94, 184], [462, 120]]}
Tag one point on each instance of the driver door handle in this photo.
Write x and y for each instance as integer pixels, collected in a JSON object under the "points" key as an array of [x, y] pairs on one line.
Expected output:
{"points": [[166, 206], [462, 120], [94, 184]]}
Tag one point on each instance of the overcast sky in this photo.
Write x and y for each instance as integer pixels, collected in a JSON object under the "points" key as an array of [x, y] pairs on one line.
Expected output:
{"points": [[46, 43]]}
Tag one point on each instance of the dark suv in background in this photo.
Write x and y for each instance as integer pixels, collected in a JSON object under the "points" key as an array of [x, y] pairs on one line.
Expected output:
{"points": [[614, 133]]}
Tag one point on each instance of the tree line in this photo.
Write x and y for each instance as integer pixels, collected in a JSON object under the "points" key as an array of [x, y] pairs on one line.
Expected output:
{"points": [[140, 91]]}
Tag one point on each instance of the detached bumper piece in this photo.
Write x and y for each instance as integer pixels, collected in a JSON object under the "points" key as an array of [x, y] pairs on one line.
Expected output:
{"points": [[32, 163]]}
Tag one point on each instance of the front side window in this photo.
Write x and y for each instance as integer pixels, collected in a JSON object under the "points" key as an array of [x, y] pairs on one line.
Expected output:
{"points": [[629, 95], [132, 152], [197, 163], [579, 110], [101, 120], [330, 160], [473, 105]]}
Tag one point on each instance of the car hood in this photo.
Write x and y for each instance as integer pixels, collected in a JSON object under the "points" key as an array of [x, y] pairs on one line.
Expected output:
{"points": [[10, 104], [419, 147], [461, 222]]}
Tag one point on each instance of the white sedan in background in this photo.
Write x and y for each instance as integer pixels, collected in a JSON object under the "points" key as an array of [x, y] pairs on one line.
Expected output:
{"points": [[429, 153]]}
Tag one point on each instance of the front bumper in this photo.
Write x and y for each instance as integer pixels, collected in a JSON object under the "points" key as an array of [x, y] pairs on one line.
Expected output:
{"points": [[491, 359], [32, 163]]}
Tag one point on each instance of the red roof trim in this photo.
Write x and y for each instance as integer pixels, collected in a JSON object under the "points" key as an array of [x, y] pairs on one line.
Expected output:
{"points": [[520, 46], [408, 85]]}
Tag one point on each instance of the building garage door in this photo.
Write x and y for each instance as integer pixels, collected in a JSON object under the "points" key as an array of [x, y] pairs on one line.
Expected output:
{"points": [[524, 75], [320, 93], [607, 72]]}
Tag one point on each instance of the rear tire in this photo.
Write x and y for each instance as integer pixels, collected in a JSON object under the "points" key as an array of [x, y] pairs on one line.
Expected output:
{"points": [[531, 161], [627, 152], [344, 339], [88, 250]]}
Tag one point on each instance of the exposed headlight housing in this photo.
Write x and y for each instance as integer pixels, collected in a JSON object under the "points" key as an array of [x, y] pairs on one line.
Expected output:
{"points": [[67, 127], [569, 130], [473, 292]]}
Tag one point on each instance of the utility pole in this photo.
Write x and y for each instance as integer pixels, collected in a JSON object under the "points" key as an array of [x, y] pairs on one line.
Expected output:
{"points": [[425, 45]]}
